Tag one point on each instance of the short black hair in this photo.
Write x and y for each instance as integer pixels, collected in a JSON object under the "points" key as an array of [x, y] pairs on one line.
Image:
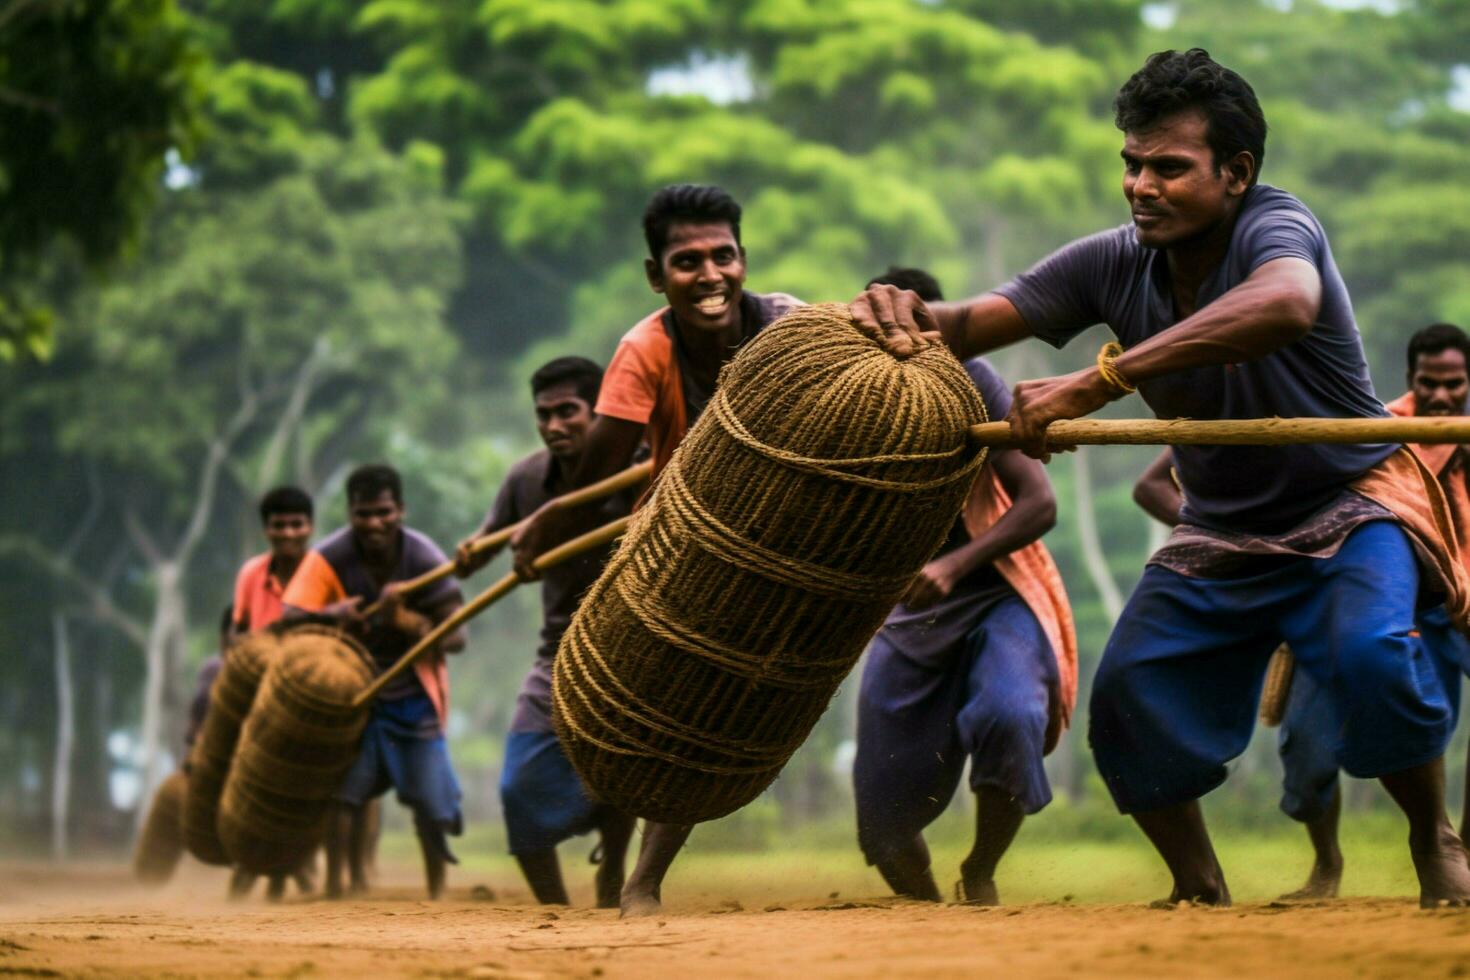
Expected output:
{"points": [[368, 481], [1435, 338], [916, 279], [285, 500], [227, 619], [689, 203], [1170, 82], [579, 371]]}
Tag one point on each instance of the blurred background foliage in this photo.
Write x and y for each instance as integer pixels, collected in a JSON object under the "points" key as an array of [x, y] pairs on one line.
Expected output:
{"points": [[252, 243]]}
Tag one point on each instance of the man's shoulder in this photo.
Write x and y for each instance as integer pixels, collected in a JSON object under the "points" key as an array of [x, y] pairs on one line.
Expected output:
{"points": [[254, 568], [982, 372], [773, 306], [336, 547], [649, 331], [531, 468], [1265, 203], [421, 550]]}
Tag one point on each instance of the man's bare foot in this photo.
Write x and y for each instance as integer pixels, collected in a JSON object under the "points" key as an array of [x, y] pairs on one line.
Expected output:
{"points": [[1444, 877], [978, 891], [1212, 893], [1323, 882], [609, 882], [638, 901]]}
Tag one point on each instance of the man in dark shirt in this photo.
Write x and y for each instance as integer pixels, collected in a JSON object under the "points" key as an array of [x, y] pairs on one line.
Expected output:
{"points": [[403, 745], [661, 376], [1228, 304], [965, 668], [1438, 383], [542, 798]]}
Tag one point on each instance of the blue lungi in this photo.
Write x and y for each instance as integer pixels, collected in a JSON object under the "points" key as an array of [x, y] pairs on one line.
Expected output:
{"points": [[396, 754], [918, 721], [1175, 696], [541, 795], [1309, 729]]}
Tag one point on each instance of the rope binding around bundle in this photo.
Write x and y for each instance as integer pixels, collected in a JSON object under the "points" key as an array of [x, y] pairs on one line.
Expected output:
{"points": [[820, 479]]}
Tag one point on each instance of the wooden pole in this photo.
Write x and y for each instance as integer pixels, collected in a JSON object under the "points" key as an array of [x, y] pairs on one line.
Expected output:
{"points": [[577, 546], [632, 476], [1232, 432]]}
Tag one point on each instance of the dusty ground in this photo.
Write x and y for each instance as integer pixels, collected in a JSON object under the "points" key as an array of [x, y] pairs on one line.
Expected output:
{"points": [[92, 921]]}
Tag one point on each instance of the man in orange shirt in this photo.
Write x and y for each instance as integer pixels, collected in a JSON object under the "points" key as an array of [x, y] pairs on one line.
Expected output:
{"points": [[658, 382], [286, 517]]}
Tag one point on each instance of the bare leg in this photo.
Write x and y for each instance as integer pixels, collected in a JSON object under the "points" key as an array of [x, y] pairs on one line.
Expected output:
{"points": [[1326, 873], [1439, 857], [339, 832], [1465, 807], [661, 842], [998, 817], [241, 881], [305, 876], [276, 888], [356, 829], [543, 874], [906, 869], [616, 829], [434, 863], [1179, 835]]}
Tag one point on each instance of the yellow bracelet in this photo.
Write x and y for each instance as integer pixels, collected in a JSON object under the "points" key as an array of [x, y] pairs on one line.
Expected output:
{"points": [[1108, 368]]}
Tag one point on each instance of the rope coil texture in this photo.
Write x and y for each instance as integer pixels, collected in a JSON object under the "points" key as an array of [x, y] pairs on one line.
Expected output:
{"points": [[821, 478], [209, 762], [162, 842], [1276, 692], [295, 749]]}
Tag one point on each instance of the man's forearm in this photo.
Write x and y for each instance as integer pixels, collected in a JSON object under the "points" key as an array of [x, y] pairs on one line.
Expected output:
{"points": [[1262, 314], [1018, 527]]}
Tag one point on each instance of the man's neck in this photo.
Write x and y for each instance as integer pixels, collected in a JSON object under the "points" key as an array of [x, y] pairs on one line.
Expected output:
{"points": [[710, 350], [381, 565], [1192, 262], [282, 567], [566, 468]]}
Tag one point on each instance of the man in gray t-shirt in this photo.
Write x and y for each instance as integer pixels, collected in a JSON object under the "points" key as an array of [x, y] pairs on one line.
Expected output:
{"points": [[543, 800], [1227, 303]]}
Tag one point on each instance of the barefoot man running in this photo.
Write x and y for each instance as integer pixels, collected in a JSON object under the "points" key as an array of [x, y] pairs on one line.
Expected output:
{"points": [[1227, 302]]}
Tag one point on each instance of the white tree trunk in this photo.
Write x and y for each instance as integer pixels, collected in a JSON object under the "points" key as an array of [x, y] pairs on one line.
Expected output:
{"points": [[65, 739], [1092, 549], [158, 658]]}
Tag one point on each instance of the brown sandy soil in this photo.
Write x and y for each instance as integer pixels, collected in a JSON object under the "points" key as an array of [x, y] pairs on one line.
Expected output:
{"points": [[93, 922]]}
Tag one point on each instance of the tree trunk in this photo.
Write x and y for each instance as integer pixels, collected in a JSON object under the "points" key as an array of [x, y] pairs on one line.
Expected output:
{"points": [[158, 657], [1092, 549], [65, 739]]}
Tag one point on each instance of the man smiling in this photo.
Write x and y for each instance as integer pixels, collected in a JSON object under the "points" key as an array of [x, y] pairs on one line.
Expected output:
{"points": [[1227, 302], [659, 381]]}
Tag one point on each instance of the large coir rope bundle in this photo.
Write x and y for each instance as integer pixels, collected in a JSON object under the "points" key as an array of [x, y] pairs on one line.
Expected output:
{"points": [[162, 842], [821, 477], [209, 763], [296, 746]]}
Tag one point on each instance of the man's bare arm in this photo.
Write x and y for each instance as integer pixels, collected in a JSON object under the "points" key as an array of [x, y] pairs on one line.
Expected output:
{"points": [[1157, 493], [904, 324], [1275, 306], [1033, 512], [611, 443]]}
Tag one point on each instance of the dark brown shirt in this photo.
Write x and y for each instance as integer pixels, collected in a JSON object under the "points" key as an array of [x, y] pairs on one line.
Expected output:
{"points": [[532, 482]]}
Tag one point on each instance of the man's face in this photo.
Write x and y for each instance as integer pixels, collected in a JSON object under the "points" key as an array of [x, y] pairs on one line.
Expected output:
{"points": [[702, 275], [288, 535], [1172, 185], [1440, 383], [562, 419], [375, 522]]}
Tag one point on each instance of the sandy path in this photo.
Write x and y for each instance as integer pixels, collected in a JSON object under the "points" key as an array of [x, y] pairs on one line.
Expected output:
{"points": [[96, 924]]}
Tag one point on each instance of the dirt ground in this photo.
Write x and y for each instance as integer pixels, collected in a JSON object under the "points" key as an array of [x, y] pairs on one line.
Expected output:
{"points": [[92, 921]]}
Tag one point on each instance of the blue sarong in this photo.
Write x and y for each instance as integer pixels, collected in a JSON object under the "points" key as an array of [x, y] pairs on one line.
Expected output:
{"points": [[1309, 729], [542, 797], [1175, 696], [396, 755], [920, 719]]}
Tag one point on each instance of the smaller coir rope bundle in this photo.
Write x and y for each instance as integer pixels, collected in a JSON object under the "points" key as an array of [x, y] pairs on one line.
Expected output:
{"points": [[230, 699], [297, 745], [1276, 692], [821, 477], [162, 842]]}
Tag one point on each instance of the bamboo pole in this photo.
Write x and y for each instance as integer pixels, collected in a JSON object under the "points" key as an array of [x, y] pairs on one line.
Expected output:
{"points": [[571, 549], [1232, 432], [593, 491]]}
